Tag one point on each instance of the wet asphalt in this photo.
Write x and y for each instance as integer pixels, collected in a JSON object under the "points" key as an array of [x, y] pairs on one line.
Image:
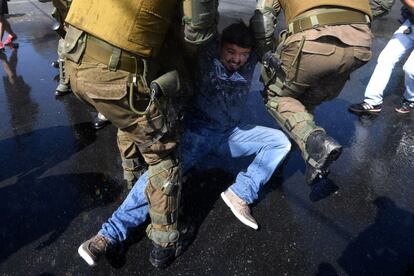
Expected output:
{"points": [[60, 180]]}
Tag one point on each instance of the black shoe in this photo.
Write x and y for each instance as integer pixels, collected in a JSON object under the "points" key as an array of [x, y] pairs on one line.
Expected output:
{"points": [[100, 122], [323, 150], [62, 89], [55, 64], [322, 189], [405, 107], [312, 174], [13, 45], [161, 257], [365, 108]]}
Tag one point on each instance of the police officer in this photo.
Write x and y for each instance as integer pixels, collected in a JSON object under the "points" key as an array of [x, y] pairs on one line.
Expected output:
{"points": [[119, 56], [324, 42], [59, 12]]}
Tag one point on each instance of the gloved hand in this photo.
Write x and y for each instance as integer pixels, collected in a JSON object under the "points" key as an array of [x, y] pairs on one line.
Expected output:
{"points": [[271, 61], [380, 7]]}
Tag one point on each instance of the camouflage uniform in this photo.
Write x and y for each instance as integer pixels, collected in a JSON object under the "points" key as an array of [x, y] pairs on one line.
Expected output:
{"points": [[59, 12], [316, 55], [119, 53]]}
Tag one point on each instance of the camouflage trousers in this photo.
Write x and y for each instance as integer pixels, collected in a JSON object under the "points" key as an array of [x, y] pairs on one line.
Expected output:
{"points": [[64, 84], [314, 72], [146, 134]]}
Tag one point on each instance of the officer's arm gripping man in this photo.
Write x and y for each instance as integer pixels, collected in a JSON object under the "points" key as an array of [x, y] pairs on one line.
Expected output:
{"points": [[381, 7], [263, 24], [200, 19]]}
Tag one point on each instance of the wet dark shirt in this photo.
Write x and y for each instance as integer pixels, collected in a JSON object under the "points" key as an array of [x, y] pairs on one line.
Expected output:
{"points": [[220, 95]]}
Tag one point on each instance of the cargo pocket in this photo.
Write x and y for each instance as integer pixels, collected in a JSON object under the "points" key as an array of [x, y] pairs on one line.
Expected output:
{"points": [[362, 55], [100, 83], [318, 48], [315, 61], [75, 43]]}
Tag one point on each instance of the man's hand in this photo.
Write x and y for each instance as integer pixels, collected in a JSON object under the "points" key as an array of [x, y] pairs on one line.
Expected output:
{"points": [[409, 4]]}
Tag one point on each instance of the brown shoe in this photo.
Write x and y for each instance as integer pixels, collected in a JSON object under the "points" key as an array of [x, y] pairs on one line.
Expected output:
{"points": [[239, 208], [93, 249]]}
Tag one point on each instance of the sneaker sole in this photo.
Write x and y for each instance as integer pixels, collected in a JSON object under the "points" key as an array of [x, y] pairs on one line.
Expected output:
{"points": [[11, 41], [240, 217], [86, 256], [358, 111], [402, 111]]}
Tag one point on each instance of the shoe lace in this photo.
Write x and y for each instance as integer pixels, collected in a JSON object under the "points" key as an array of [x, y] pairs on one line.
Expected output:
{"points": [[99, 244], [407, 104]]}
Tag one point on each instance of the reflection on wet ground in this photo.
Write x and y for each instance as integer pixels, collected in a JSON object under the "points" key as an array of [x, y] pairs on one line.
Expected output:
{"points": [[59, 180]]}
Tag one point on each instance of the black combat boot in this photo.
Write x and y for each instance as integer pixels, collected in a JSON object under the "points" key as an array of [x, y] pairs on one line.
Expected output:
{"points": [[324, 150], [62, 89], [161, 257], [100, 121]]}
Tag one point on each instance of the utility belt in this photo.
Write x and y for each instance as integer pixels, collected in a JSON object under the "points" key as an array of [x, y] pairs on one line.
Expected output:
{"points": [[118, 59], [80, 46], [323, 16], [114, 57]]}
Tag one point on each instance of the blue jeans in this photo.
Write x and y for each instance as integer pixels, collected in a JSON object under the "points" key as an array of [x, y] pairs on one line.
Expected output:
{"points": [[399, 45], [270, 147]]}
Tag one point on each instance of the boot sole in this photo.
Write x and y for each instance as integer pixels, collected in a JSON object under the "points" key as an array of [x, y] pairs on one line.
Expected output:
{"points": [[332, 156], [163, 264], [62, 93], [159, 264], [323, 170], [238, 216]]}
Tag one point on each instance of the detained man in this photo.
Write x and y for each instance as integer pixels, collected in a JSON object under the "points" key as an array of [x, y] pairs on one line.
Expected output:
{"points": [[212, 125]]}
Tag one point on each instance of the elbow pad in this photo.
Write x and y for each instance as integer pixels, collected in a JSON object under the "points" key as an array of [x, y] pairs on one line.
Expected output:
{"points": [[263, 25], [200, 20]]}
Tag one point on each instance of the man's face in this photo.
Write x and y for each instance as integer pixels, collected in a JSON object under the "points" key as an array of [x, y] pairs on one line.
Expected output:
{"points": [[233, 57]]}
